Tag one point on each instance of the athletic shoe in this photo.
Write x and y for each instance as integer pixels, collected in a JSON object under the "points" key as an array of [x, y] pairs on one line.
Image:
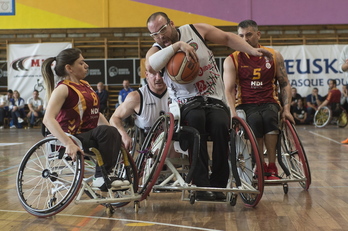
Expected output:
{"points": [[100, 183], [1, 127], [13, 126], [273, 172], [345, 141], [20, 120]]}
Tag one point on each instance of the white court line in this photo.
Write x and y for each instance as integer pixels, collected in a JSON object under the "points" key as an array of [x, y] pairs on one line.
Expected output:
{"points": [[8, 144], [325, 137], [126, 220]]}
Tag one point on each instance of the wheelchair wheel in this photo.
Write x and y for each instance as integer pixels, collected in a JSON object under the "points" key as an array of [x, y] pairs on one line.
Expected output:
{"points": [[47, 179], [342, 120], [246, 161], [137, 136], [322, 117], [153, 152], [297, 161]]}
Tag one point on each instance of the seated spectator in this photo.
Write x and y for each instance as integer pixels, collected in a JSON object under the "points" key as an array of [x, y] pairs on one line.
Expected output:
{"points": [[313, 101], [16, 108], [124, 92], [294, 98], [35, 105], [300, 113], [4, 107], [333, 99], [103, 97], [344, 97]]}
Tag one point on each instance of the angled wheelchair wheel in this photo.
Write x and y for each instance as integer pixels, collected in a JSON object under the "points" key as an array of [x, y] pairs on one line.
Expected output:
{"points": [[137, 136], [322, 117], [294, 155], [246, 161], [154, 152], [47, 179], [342, 120]]}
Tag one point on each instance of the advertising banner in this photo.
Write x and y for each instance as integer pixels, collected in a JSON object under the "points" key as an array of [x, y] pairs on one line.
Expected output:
{"points": [[310, 66], [24, 66]]}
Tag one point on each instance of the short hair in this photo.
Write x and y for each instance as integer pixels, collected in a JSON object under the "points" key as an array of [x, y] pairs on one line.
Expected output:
{"points": [[333, 81], [247, 23], [315, 88], [154, 15], [10, 91]]}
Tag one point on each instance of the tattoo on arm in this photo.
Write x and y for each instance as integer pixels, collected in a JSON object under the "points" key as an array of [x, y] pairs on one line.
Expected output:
{"points": [[283, 80]]}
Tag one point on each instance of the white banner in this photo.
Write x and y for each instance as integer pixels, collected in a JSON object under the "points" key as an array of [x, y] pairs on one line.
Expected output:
{"points": [[310, 66], [24, 66]]}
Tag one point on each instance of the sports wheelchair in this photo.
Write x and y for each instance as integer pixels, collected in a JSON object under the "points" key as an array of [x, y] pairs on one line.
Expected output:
{"points": [[48, 180], [292, 159], [335, 114], [176, 173]]}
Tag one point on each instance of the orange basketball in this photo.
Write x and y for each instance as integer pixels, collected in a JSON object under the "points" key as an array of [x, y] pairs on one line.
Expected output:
{"points": [[180, 70]]}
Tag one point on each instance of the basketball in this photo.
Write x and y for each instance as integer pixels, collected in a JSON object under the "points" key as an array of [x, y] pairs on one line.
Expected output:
{"points": [[180, 70]]}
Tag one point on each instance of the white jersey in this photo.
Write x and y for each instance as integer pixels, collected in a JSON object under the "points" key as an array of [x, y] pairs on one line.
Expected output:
{"points": [[151, 105], [209, 80]]}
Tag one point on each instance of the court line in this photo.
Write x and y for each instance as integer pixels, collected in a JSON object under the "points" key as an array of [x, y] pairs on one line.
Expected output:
{"points": [[124, 220], [325, 137]]}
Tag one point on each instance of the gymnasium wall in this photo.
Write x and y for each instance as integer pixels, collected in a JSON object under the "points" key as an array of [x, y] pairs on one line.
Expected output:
{"points": [[29, 14]]}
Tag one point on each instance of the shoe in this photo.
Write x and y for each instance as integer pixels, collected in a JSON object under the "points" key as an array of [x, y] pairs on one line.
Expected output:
{"points": [[1, 127], [272, 172], [116, 182], [119, 183], [345, 141], [205, 196], [220, 196], [20, 120], [98, 182], [13, 126]]}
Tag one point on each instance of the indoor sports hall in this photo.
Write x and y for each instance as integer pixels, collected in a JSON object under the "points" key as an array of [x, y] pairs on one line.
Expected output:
{"points": [[43, 188]]}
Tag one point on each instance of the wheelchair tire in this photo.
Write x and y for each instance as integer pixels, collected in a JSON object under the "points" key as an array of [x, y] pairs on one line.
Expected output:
{"points": [[47, 179], [342, 120], [247, 161], [298, 161], [154, 152], [322, 117]]}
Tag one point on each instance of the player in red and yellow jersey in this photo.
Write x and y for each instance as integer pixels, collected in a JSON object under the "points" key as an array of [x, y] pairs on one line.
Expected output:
{"points": [[73, 108], [251, 84]]}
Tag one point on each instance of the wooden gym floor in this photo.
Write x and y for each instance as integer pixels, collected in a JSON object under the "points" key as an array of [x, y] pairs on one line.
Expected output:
{"points": [[323, 207]]}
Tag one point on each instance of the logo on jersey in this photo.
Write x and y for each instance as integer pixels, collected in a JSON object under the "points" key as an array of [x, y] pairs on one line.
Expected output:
{"points": [[268, 65], [194, 45], [256, 84]]}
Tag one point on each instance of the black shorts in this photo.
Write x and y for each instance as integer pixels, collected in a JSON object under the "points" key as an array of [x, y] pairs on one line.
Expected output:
{"points": [[262, 118]]}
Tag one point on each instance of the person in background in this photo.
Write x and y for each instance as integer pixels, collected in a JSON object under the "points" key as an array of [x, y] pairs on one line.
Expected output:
{"points": [[313, 101], [124, 92], [210, 114], [251, 86], [17, 110], [73, 107], [35, 105], [344, 97], [333, 98], [300, 113], [343, 67], [294, 98], [103, 95], [4, 107]]}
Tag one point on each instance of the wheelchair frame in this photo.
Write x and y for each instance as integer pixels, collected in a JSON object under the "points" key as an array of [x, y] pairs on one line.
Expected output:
{"points": [[292, 159], [324, 115]]}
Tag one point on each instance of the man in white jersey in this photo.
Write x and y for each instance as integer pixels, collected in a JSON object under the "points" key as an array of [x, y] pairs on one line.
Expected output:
{"points": [[146, 103], [210, 114]]}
